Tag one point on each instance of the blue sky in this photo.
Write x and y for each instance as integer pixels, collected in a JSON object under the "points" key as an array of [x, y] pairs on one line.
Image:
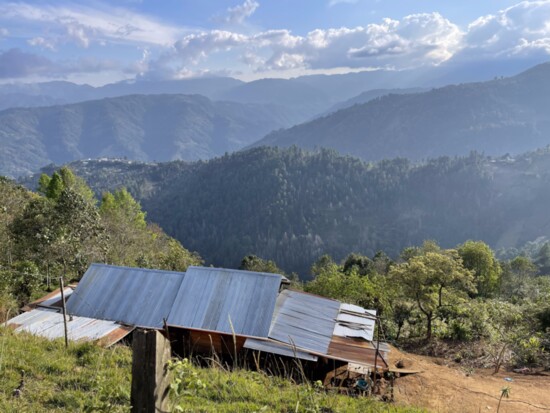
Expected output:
{"points": [[98, 42]]}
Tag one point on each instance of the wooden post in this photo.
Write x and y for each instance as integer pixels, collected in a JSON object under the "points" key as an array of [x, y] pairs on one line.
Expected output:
{"points": [[150, 378], [375, 385], [62, 287]]}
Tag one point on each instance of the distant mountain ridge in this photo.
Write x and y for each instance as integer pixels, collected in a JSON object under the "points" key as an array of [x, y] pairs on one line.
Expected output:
{"points": [[369, 95], [494, 117], [146, 128]]}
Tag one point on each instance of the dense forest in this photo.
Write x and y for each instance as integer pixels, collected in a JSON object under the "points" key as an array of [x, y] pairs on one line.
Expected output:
{"points": [[292, 206]]}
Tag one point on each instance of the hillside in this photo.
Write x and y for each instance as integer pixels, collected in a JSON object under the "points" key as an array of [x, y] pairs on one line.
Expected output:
{"points": [[292, 206], [153, 127], [88, 378], [369, 95], [496, 117]]}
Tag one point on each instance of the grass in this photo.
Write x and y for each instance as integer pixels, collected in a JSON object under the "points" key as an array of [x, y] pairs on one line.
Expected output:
{"points": [[86, 378], [83, 378]]}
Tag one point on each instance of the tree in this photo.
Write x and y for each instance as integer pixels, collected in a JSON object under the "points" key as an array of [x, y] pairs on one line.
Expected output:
{"points": [[254, 263], [542, 259], [433, 280], [362, 264], [125, 224], [134, 241], [51, 187], [324, 264], [65, 233], [515, 277], [13, 199], [381, 262], [480, 259]]}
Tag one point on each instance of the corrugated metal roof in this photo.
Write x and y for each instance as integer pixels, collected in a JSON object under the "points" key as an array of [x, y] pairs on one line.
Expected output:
{"points": [[214, 299], [304, 320], [352, 308], [355, 350], [132, 296], [270, 346], [355, 321], [52, 299], [49, 323]]}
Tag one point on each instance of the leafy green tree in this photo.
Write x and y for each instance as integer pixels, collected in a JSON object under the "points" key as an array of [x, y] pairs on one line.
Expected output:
{"points": [[360, 263], [324, 264], [13, 199], [433, 280], [62, 235], [134, 242], [51, 187], [254, 263], [121, 205], [350, 288], [381, 262], [480, 259]]}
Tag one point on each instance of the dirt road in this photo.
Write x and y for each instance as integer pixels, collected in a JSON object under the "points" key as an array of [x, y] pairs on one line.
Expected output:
{"points": [[448, 388]]}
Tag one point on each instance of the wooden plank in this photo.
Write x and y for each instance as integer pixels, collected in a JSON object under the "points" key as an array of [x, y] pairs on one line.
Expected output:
{"points": [[150, 378]]}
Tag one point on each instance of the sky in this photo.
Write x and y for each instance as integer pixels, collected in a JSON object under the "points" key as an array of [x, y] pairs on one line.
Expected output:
{"points": [[100, 42]]}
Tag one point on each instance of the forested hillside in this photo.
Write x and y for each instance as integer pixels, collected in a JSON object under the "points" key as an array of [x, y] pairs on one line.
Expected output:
{"points": [[63, 228], [292, 206], [496, 117], [154, 127]]}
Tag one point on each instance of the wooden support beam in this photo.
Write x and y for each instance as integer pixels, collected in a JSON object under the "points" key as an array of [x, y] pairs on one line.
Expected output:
{"points": [[150, 378]]}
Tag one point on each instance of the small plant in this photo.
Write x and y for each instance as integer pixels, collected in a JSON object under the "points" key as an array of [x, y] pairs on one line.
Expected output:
{"points": [[185, 381], [504, 392]]}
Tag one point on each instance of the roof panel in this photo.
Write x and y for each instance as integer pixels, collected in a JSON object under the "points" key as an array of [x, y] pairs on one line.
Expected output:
{"points": [[355, 350], [132, 296], [49, 323], [304, 320], [225, 300], [270, 346]]}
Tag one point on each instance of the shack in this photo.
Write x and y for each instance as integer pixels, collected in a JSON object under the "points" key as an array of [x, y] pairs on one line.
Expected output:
{"points": [[211, 310]]}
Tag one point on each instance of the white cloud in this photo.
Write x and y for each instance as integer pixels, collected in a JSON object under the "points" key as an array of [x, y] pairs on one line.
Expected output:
{"points": [[238, 14], [414, 41], [83, 25], [332, 3], [42, 42], [3, 32], [523, 29]]}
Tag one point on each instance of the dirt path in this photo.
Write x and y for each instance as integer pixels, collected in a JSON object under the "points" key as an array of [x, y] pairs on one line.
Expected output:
{"points": [[441, 388]]}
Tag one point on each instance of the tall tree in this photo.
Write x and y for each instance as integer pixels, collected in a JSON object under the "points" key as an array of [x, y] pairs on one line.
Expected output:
{"points": [[254, 263], [480, 259], [434, 280]]}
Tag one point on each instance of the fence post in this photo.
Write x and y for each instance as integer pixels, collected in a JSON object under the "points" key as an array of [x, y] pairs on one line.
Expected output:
{"points": [[150, 378]]}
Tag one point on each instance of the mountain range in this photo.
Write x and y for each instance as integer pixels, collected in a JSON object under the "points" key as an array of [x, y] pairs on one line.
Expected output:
{"points": [[138, 127], [343, 112], [506, 115]]}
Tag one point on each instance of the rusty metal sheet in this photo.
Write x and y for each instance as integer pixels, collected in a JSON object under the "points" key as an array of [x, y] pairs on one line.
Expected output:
{"points": [[226, 301], [132, 296], [270, 346], [355, 351], [304, 320], [49, 323], [52, 299]]}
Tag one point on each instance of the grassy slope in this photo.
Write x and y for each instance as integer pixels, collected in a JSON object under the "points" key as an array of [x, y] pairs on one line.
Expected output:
{"points": [[87, 378]]}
